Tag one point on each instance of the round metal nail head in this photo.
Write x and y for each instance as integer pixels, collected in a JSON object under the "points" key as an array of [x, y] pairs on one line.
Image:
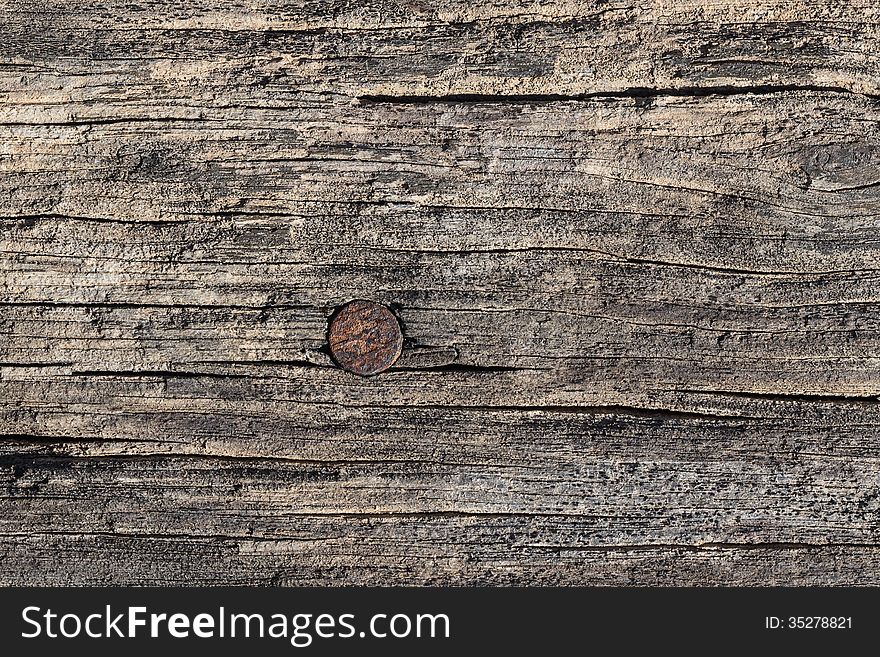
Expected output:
{"points": [[365, 337]]}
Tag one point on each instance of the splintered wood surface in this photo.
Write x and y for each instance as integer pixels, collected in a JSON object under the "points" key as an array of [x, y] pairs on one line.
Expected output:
{"points": [[635, 250]]}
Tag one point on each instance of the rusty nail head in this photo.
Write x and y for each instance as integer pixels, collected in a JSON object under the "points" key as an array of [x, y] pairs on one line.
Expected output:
{"points": [[365, 337]]}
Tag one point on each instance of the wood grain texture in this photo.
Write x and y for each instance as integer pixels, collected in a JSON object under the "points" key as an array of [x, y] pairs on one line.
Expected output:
{"points": [[634, 249]]}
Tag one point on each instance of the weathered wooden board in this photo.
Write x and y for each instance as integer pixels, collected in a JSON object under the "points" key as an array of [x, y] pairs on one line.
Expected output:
{"points": [[635, 251]]}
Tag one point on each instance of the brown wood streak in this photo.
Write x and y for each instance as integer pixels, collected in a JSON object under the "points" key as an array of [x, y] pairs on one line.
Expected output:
{"points": [[633, 249]]}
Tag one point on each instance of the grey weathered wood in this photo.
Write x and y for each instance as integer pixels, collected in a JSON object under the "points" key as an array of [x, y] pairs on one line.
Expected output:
{"points": [[634, 249]]}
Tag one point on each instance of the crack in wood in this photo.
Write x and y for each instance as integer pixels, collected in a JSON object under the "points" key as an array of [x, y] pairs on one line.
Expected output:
{"points": [[635, 93]]}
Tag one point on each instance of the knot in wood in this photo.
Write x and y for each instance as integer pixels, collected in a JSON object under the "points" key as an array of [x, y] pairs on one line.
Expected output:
{"points": [[365, 337]]}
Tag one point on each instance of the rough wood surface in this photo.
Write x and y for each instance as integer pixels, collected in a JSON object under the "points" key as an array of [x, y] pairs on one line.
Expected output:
{"points": [[634, 248]]}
